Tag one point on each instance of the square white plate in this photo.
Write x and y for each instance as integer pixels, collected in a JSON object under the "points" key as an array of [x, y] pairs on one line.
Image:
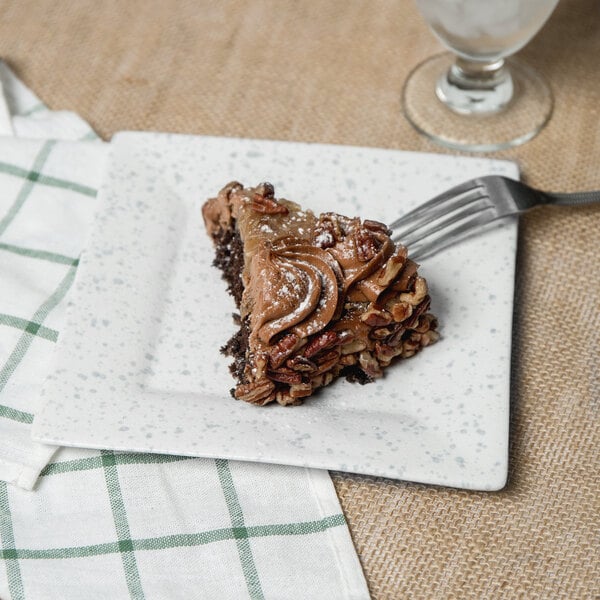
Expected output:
{"points": [[138, 366]]}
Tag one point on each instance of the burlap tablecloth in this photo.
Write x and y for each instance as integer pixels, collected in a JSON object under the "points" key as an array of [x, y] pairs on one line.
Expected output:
{"points": [[332, 72]]}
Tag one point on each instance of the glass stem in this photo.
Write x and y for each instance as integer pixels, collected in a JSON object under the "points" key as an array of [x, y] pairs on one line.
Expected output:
{"points": [[471, 74], [476, 87]]}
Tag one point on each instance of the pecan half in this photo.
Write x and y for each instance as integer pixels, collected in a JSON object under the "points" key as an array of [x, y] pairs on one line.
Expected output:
{"points": [[300, 390], [301, 364], [268, 206], [327, 361], [282, 349], [324, 340], [255, 391], [285, 376], [321, 380], [263, 200]]}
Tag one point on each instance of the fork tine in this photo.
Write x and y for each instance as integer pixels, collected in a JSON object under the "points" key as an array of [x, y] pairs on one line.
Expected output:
{"points": [[458, 190], [413, 229], [422, 234], [455, 234]]}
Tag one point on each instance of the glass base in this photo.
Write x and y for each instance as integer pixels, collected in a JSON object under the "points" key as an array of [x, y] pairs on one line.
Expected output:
{"points": [[513, 123]]}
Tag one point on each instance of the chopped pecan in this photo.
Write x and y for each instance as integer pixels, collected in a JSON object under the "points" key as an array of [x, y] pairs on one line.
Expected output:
{"points": [[284, 398], [322, 341], [429, 337], [376, 226], [380, 333], [327, 360], [347, 359], [265, 190], [406, 277], [284, 375], [321, 380], [411, 345], [282, 349], [417, 312], [368, 363], [401, 311], [354, 346], [418, 292], [300, 390], [330, 229], [324, 233], [256, 369], [392, 267], [301, 364], [367, 244], [425, 322], [376, 318], [396, 338], [325, 357], [384, 353], [345, 336]]}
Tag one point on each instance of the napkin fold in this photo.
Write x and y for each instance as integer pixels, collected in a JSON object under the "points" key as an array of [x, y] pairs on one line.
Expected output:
{"points": [[78, 523]]}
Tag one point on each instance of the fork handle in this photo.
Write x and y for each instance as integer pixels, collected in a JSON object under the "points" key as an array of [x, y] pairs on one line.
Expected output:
{"points": [[573, 199]]}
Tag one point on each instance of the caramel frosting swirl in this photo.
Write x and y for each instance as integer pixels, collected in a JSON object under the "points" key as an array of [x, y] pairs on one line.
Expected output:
{"points": [[292, 288], [358, 249]]}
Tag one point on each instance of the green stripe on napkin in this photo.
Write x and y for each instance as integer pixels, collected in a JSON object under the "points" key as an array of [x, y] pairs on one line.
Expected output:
{"points": [[23, 194], [239, 530], [9, 554], [41, 254], [179, 540], [125, 545], [24, 343]]}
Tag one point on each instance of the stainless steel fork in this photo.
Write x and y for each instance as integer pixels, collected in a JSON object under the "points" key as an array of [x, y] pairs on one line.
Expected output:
{"points": [[470, 208]]}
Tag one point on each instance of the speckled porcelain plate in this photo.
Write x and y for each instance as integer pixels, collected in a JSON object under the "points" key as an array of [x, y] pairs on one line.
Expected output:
{"points": [[138, 366]]}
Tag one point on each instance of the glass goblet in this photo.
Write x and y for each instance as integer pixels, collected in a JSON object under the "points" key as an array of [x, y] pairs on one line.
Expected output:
{"points": [[476, 98]]}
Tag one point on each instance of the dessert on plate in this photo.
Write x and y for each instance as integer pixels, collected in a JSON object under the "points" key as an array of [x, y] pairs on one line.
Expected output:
{"points": [[319, 296]]}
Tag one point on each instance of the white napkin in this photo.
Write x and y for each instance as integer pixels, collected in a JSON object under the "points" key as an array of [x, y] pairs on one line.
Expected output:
{"points": [[100, 524], [47, 202]]}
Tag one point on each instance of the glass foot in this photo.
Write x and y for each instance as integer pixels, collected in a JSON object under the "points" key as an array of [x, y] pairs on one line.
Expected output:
{"points": [[476, 121]]}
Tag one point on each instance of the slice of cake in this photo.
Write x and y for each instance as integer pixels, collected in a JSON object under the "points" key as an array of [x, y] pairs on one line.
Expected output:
{"points": [[318, 296]]}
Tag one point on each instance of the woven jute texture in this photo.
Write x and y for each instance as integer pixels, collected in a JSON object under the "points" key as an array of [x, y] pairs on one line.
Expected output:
{"points": [[333, 72]]}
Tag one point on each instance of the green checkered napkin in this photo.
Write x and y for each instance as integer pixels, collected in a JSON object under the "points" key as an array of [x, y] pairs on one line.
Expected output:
{"points": [[100, 524]]}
